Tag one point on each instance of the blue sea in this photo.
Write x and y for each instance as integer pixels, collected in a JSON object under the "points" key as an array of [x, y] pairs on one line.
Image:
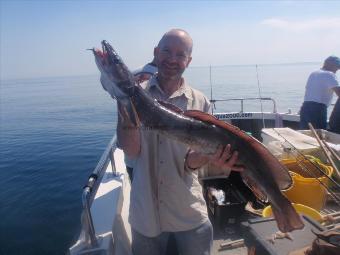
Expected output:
{"points": [[54, 130]]}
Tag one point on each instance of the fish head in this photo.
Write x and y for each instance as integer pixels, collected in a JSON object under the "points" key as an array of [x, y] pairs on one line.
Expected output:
{"points": [[116, 77], [119, 71], [117, 80]]}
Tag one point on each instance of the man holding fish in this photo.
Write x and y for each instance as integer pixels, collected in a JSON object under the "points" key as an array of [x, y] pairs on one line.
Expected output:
{"points": [[166, 190], [166, 196]]}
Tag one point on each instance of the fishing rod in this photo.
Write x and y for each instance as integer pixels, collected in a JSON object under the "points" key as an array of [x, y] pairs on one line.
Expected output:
{"points": [[322, 146], [317, 167], [306, 158], [331, 150], [211, 90], [260, 94], [305, 169]]}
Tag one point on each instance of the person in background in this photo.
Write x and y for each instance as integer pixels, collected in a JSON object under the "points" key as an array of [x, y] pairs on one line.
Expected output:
{"points": [[166, 197], [318, 95], [145, 73], [334, 120]]}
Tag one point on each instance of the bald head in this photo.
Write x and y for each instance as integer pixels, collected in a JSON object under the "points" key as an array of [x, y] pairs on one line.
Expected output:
{"points": [[173, 55], [180, 35]]}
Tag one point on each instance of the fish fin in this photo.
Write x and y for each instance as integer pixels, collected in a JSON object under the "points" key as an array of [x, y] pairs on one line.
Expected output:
{"points": [[133, 114], [170, 106], [281, 174], [286, 217], [257, 191], [206, 117], [128, 111]]}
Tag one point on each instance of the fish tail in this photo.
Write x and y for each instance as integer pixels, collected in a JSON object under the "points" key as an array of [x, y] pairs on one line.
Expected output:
{"points": [[286, 217]]}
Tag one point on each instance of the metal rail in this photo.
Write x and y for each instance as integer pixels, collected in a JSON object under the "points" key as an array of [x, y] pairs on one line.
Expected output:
{"points": [[213, 101], [92, 185]]}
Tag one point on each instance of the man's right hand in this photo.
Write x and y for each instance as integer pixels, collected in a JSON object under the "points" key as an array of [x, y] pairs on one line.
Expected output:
{"points": [[128, 135]]}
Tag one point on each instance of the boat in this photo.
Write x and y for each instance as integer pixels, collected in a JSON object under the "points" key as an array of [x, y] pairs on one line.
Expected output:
{"points": [[104, 221]]}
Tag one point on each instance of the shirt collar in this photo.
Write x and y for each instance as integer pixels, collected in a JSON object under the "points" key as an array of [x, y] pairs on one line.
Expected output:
{"points": [[184, 89]]}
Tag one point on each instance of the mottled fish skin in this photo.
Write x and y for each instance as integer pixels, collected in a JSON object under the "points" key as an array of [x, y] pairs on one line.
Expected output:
{"points": [[205, 133]]}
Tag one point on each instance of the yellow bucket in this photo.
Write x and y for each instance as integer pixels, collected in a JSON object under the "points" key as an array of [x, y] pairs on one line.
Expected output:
{"points": [[301, 209], [307, 190]]}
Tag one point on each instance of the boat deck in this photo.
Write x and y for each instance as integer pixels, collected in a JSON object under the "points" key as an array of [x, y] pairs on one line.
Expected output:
{"points": [[109, 203], [227, 235]]}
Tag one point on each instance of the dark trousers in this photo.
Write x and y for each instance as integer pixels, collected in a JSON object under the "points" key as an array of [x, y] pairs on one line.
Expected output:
{"points": [[334, 120], [130, 172], [197, 241], [314, 113]]}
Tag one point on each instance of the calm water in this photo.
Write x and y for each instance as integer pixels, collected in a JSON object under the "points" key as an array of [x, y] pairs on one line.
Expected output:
{"points": [[54, 130]]}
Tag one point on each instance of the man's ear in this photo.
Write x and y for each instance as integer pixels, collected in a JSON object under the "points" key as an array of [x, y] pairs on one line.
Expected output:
{"points": [[189, 60], [155, 54], [155, 51]]}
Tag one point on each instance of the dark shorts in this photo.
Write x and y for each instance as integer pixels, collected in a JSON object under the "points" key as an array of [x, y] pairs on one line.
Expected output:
{"points": [[314, 113]]}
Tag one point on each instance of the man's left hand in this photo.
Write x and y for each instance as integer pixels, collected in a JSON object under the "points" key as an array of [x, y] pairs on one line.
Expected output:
{"points": [[223, 160]]}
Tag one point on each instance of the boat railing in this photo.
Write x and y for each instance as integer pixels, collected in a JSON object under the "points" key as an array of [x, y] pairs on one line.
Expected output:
{"points": [[213, 101], [92, 185]]}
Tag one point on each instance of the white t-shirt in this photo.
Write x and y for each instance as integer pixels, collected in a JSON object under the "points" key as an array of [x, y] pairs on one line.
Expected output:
{"points": [[319, 87]]}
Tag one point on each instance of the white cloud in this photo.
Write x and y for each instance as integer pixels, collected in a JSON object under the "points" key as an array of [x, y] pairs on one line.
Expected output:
{"points": [[303, 25]]}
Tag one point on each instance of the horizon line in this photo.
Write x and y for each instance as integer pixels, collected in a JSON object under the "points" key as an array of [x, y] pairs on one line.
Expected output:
{"points": [[195, 66]]}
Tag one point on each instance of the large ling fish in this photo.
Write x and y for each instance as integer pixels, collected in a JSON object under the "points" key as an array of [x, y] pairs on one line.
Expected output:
{"points": [[203, 132]]}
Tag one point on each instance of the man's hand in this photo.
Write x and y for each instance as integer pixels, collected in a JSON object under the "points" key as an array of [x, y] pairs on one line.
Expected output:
{"points": [[223, 160], [128, 135]]}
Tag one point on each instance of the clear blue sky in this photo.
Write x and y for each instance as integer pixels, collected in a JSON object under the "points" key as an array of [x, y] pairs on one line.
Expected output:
{"points": [[49, 38]]}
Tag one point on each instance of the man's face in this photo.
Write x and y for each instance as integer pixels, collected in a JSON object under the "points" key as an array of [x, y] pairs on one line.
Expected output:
{"points": [[172, 57]]}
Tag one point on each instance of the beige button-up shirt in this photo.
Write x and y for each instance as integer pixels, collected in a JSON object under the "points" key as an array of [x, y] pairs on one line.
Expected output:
{"points": [[166, 197]]}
